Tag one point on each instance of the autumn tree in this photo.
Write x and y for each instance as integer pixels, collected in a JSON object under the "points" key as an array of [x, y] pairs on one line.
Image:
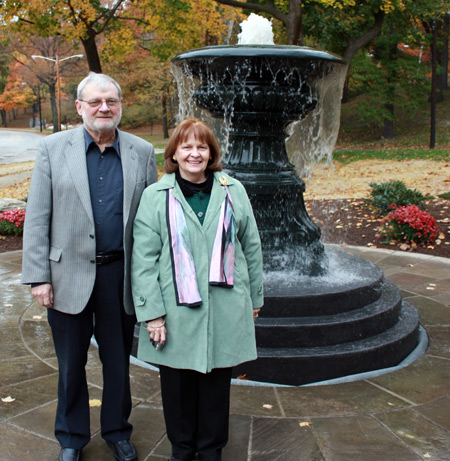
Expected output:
{"points": [[40, 72], [171, 25], [152, 32], [144, 89], [168, 27], [75, 20], [5, 59], [15, 93]]}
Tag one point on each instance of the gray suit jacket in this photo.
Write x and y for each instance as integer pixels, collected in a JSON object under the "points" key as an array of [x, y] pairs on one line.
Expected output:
{"points": [[59, 236]]}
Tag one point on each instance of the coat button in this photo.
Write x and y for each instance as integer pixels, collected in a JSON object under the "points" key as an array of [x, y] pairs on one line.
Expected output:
{"points": [[92, 261], [91, 236]]}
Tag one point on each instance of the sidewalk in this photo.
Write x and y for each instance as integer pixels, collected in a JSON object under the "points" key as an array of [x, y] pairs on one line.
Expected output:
{"points": [[401, 416]]}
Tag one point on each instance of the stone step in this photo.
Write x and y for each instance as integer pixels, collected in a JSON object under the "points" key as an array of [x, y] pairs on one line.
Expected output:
{"points": [[326, 330], [297, 366], [357, 283]]}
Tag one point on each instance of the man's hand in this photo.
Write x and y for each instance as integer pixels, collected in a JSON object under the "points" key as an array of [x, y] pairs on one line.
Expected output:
{"points": [[43, 294]]}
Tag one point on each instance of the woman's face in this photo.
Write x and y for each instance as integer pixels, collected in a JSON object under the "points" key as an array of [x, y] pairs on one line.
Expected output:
{"points": [[192, 157]]}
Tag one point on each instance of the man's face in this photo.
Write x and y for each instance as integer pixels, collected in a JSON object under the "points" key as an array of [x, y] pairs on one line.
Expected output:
{"points": [[97, 115]]}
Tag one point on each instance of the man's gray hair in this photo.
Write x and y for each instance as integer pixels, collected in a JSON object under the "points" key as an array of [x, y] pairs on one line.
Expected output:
{"points": [[101, 80]]}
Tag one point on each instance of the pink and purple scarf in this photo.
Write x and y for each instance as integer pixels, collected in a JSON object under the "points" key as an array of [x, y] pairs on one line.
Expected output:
{"points": [[221, 271]]}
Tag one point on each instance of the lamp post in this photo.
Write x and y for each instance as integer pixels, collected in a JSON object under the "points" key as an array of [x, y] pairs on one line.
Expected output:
{"points": [[57, 60], [39, 105]]}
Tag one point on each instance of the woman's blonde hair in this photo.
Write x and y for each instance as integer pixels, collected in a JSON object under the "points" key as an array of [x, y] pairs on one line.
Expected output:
{"points": [[203, 133]]}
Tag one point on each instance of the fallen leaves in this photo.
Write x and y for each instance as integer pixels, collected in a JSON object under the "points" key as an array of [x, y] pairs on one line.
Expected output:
{"points": [[17, 191], [352, 180], [14, 168], [244, 377]]}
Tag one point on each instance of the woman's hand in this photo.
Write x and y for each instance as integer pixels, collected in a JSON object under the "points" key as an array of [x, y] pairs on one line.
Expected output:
{"points": [[157, 330], [255, 314]]}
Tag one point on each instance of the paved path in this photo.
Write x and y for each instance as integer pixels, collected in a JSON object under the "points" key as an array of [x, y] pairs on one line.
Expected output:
{"points": [[18, 146], [401, 416]]}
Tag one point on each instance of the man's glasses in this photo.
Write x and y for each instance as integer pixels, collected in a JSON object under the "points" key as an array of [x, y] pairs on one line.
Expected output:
{"points": [[98, 102]]}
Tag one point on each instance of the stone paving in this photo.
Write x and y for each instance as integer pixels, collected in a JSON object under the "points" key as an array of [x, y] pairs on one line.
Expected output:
{"points": [[402, 415]]}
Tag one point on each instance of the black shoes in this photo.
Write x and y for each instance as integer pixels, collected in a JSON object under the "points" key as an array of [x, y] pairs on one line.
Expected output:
{"points": [[69, 454], [124, 450]]}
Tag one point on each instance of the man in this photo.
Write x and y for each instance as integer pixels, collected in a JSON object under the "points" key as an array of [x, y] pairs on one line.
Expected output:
{"points": [[84, 194]]}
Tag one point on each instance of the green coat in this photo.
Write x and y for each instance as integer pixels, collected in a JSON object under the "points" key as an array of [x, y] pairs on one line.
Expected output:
{"points": [[220, 333]]}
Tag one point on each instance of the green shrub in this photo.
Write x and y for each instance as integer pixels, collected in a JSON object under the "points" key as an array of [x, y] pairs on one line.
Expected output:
{"points": [[383, 195]]}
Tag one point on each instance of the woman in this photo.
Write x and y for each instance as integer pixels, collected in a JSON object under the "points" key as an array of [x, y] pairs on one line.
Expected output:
{"points": [[197, 287]]}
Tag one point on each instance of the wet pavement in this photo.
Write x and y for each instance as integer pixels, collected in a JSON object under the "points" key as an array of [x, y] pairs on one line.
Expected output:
{"points": [[18, 145], [402, 415]]}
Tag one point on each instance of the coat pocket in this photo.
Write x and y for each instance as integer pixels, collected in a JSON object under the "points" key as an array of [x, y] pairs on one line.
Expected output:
{"points": [[55, 254]]}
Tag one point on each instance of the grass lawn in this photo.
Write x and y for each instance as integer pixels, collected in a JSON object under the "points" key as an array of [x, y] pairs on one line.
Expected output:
{"points": [[345, 156]]}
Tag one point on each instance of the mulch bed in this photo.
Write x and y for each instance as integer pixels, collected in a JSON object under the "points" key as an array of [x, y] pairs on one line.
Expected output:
{"points": [[346, 221], [352, 222], [10, 243]]}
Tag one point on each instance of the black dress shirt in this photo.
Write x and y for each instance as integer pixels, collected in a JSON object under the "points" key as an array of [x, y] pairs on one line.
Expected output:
{"points": [[106, 187]]}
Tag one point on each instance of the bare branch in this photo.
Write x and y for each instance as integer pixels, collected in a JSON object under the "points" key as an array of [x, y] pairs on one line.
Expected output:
{"points": [[107, 17]]}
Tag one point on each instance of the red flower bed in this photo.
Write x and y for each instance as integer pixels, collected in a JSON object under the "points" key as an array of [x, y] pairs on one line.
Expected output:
{"points": [[409, 224], [11, 222]]}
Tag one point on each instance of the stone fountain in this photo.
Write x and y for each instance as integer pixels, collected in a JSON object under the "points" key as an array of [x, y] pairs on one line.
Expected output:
{"points": [[326, 314]]}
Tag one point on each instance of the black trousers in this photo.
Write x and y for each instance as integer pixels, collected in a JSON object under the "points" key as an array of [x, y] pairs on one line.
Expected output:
{"points": [[196, 411], [104, 316]]}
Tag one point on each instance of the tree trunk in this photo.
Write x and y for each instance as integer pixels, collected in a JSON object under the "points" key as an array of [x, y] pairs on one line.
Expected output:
{"points": [[164, 116], [433, 88], [388, 129], [35, 114], [91, 50], [442, 78], [346, 89], [4, 121], [294, 24]]}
